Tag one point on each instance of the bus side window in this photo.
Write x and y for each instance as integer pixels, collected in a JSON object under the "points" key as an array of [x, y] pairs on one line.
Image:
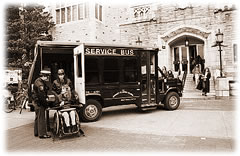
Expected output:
{"points": [[79, 61], [91, 70], [111, 70], [130, 70]]}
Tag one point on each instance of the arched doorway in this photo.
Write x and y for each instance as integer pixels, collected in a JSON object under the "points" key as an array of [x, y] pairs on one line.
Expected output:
{"points": [[183, 56]]}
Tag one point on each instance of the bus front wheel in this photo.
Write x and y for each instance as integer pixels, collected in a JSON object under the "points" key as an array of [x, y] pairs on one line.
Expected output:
{"points": [[172, 101], [91, 111]]}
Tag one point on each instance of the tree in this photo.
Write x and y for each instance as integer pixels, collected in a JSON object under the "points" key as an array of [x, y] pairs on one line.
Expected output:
{"points": [[36, 26], [25, 25], [15, 44]]}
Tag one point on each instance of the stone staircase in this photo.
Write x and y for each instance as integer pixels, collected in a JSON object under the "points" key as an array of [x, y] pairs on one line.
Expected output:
{"points": [[190, 92]]}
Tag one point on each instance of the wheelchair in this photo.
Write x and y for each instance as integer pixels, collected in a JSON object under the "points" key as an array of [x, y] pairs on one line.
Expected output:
{"points": [[58, 128]]}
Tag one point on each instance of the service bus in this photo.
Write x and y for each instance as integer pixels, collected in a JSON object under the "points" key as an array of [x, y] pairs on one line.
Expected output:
{"points": [[108, 75]]}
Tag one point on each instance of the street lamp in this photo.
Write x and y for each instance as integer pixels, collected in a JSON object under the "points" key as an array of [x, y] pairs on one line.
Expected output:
{"points": [[219, 41], [186, 42]]}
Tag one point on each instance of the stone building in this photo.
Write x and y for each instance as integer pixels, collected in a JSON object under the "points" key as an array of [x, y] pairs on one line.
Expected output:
{"points": [[170, 26], [87, 21], [166, 26]]}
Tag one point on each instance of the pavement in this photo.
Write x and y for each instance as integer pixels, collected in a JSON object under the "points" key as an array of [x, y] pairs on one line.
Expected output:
{"points": [[198, 125]]}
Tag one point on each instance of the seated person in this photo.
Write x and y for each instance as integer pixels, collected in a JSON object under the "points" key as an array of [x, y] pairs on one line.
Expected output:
{"points": [[64, 92], [170, 74], [163, 72]]}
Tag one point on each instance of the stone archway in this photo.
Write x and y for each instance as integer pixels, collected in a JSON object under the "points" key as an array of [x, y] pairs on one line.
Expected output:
{"points": [[177, 33], [173, 33]]}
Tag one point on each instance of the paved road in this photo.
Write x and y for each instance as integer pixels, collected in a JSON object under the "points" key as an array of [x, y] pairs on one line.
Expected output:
{"points": [[198, 125]]}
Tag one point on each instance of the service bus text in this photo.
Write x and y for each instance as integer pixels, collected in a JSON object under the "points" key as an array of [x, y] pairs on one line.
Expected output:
{"points": [[109, 52]]}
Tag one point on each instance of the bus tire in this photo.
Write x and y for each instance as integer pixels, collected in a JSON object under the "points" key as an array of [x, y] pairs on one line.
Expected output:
{"points": [[91, 111], [172, 101]]}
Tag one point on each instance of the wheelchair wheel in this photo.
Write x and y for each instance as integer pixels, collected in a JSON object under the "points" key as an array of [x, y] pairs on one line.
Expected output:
{"points": [[56, 124], [78, 125], [80, 131]]}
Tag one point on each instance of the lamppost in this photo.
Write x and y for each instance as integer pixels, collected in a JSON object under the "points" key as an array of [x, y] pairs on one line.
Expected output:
{"points": [[219, 41]]}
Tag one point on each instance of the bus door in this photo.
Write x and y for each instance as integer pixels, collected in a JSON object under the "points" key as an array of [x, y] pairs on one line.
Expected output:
{"points": [[149, 77], [79, 72]]}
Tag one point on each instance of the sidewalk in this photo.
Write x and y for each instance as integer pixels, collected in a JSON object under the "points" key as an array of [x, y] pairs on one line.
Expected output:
{"points": [[14, 119], [216, 115], [198, 125]]}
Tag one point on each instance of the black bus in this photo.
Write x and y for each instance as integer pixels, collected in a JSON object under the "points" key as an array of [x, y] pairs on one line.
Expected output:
{"points": [[108, 75]]}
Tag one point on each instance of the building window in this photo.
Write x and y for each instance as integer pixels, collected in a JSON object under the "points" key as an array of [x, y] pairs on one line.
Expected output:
{"points": [[58, 16], [80, 11], [68, 14], [63, 15], [98, 12], [74, 12], [235, 53], [141, 12], [86, 10]]}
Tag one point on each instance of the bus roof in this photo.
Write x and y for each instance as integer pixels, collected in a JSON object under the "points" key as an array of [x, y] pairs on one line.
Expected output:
{"points": [[58, 44]]}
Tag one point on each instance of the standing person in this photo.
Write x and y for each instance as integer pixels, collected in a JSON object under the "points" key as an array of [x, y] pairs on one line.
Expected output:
{"points": [[40, 99], [196, 72], [206, 82], [198, 60], [62, 86]]}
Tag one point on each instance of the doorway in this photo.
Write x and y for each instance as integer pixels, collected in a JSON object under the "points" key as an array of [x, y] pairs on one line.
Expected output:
{"points": [[184, 58], [192, 55]]}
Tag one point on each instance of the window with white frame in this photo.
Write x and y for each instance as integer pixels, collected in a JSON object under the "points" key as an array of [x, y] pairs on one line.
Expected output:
{"points": [[62, 15], [58, 16], [74, 12], [68, 13], [141, 11], [98, 12], [80, 12]]}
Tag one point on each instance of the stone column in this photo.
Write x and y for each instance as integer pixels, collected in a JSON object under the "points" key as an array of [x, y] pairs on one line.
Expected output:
{"points": [[180, 58], [188, 59]]}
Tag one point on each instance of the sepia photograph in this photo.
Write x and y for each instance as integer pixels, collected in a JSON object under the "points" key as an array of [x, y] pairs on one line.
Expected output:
{"points": [[120, 77]]}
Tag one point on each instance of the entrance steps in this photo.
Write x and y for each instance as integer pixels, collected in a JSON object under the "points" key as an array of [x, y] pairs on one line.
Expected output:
{"points": [[190, 91]]}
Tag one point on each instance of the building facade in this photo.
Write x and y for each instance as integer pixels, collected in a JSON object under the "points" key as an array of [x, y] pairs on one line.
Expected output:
{"points": [[166, 26], [87, 21], [169, 27]]}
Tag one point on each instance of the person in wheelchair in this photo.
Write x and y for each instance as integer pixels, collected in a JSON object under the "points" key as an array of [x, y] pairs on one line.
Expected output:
{"points": [[65, 96]]}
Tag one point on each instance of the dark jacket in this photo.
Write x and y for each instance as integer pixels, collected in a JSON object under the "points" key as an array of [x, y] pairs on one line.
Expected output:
{"points": [[206, 83], [57, 88], [57, 85], [40, 90]]}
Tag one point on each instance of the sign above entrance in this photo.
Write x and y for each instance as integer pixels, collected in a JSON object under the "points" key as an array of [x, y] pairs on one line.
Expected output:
{"points": [[109, 52]]}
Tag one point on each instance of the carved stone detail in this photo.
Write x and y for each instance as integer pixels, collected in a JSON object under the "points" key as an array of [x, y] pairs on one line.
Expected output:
{"points": [[141, 11], [186, 29]]}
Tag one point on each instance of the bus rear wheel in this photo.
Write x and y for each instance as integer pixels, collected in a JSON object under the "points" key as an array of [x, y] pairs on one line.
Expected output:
{"points": [[91, 111]]}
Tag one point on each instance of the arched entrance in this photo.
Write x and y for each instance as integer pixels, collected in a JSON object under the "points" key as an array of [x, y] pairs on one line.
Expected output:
{"points": [[184, 57], [177, 56]]}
